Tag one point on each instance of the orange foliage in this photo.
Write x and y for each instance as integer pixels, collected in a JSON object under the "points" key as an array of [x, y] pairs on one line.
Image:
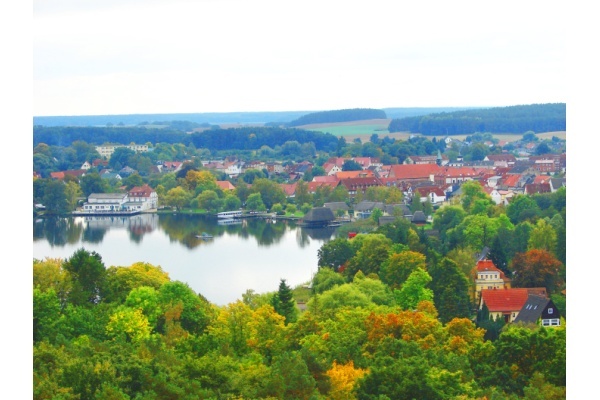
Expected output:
{"points": [[343, 378]]}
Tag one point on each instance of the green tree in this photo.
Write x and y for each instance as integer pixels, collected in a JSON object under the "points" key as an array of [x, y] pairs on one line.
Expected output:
{"points": [[396, 270], [450, 290], [120, 157], [351, 165], [255, 203], [302, 196], [374, 251], [414, 290], [522, 208], [72, 193], [415, 203], [542, 237], [55, 198], [377, 213], [335, 253], [209, 201], [270, 192], [88, 276], [284, 303], [93, 183]]}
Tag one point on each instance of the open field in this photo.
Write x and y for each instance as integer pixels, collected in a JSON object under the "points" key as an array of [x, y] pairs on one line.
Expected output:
{"points": [[352, 128]]}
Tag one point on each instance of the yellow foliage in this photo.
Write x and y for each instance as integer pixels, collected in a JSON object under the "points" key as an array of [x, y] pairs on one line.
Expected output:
{"points": [[343, 379]]}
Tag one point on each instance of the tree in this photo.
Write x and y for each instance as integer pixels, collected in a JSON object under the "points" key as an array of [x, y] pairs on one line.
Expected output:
{"points": [[377, 213], [351, 165], [537, 268], [72, 193], [414, 290], [129, 322], [270, 192], [231, 202], [335, 253], [450, 290], [343, 380], [542, 237], [93, 183], [88, 276], [472, 191], [255, 203], [373, 252], [55, 198], [284, 303], [302, 196], [396, 270], [209, 201], [177, 197], [120, 157], [522, 208], [415, 202]]}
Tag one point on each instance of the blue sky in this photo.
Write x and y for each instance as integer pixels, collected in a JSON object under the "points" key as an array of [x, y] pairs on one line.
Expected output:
{"points": [[155, 56]]}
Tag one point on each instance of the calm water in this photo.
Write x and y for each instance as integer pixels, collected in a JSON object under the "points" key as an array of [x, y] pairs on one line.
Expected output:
{"points": [[252, 254]]}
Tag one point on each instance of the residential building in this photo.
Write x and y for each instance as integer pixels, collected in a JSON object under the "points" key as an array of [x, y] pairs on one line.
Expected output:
{"points": [[108, 150], [488, 276], [539, 310], [105, 202], [506, 303], [142, 198]]}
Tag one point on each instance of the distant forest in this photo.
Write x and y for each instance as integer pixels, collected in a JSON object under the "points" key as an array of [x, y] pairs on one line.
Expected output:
{"points": [[246, 138], [354, 114], [513, 119]]}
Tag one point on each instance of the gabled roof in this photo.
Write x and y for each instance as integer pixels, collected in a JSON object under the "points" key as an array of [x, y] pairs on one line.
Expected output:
{"points": [[326, 178], [533, 308], [312, 186], [289, 188], [366, 205], [504, 300], [337, 205], [319, 214], [502, 157], [419, 217], [488, 266], [353, 183], [511, 180], [225, 185], [413, 171], [355, 174], [141, 191]]}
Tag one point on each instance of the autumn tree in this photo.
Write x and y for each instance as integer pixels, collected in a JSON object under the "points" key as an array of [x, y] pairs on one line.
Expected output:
{"points": [[343, 379], [177, 197], [537, 268]]}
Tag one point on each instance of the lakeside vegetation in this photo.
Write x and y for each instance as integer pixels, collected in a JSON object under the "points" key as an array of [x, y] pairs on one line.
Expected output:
{"points": [[389, 314]]}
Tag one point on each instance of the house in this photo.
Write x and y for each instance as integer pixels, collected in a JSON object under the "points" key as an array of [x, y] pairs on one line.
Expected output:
{"points": [[76, 173], [225, 185], [141, 198], [448, 175], [494, 194], [430, 159], [108, 150], [557, 183], [86, 165], [355, 185], [537, 188], [506, 303], [365, 208], [412, 172], [488, 276], [107, 174], [501, 160], [336, 206], [331, 169], [355, 174], [289, 189], [127, 171], [435, 194], [105, 202], [539, 310]]}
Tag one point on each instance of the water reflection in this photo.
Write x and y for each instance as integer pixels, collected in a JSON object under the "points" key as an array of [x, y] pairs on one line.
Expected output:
{"points": [[179, 228]]}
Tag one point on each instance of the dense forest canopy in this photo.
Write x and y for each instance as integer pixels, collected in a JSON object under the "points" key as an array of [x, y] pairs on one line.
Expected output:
{"points": [[513, 119], [354, 114], [247, 138]]}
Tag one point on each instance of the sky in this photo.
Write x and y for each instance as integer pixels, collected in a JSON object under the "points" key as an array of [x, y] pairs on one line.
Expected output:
{"points": [[183, 56]]}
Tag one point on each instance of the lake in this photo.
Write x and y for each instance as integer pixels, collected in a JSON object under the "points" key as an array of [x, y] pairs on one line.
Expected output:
{"points": [[249, 254]]}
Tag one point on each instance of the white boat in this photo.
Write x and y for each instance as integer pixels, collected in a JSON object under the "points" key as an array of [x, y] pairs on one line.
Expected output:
{"points": [[229, 214], [205, 236]]}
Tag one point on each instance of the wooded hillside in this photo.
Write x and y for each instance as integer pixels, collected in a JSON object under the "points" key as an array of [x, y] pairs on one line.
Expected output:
{"points": [[513, 119]]}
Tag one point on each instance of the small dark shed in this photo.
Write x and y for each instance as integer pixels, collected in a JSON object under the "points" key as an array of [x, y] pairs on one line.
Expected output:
{"points": [[318, 216]]}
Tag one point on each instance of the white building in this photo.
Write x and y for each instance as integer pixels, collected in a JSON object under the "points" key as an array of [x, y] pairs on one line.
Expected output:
{"points": [[105, 202], [107, 151], [141, 198]]}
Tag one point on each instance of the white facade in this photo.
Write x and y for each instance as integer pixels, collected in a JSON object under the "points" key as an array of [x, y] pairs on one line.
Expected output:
{"points": [[105, 202], [107, 151]]}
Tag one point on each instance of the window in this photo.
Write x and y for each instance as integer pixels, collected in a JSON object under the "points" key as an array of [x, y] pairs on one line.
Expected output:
{"points": [[550, 311]]}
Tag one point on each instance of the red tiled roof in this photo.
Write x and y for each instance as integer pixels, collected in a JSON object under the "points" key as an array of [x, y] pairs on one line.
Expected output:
{"points": [[511, 180], [355, 174], [541, 179], [141, 191], [289, 188], [537, 188], [504, 300], [414, 171], [225, 185], [312, 186], [353, 183], [326, 178]]}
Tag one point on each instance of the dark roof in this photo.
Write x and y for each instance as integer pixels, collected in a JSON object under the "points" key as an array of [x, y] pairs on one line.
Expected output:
{"points": [[319, 214], [389, 209], [368, 205], [336, 205], [419, 217], [532, 309]]}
